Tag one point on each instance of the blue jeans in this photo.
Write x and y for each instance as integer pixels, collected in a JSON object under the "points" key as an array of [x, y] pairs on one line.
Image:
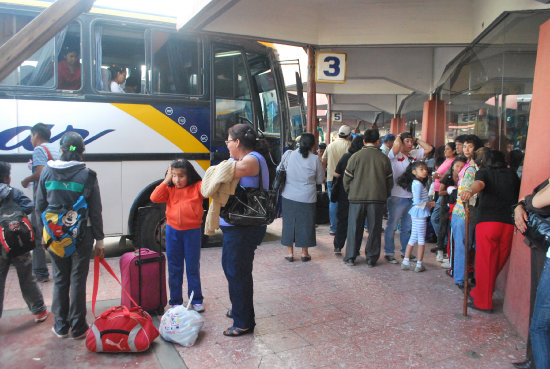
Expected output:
{"points": [[184, 246], [39, 267], [239, 245], [69, 288], [332, 210], [435, 218], [458, 227], [398, 209], [540, 322]]}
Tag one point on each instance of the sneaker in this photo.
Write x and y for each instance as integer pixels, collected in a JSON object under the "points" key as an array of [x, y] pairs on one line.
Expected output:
{"points": [[198, 308], [439, 256], [411, 258], [446, 265], [38, 318], [60, 335], [390, 259], [446, 260], [419, 269], [43, 279], [337, 251], [332, 233], [79, 336], [350, 262], [405, 266]]}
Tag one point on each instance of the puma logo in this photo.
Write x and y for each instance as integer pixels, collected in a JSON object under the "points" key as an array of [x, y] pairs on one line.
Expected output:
{"points": [[117, 345]]}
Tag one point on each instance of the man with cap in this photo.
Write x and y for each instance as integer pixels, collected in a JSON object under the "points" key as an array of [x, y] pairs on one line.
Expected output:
{"points": [[334, 152], [387, 143], [400, 201]]}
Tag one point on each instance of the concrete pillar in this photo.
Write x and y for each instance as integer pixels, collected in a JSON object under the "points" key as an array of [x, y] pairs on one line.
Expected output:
{"points": [[433, 122], [397, 125], [329, 118], [535, 170]]}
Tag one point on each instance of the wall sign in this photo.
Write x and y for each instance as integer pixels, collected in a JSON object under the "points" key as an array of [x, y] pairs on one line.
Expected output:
{"points": [[331, 67], [336, 116]]}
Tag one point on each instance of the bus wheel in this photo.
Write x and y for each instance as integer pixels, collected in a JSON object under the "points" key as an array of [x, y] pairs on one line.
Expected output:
{"points": [[151, 227]]}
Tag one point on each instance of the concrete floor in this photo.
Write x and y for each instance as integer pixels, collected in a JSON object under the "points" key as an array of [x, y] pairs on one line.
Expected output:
{"points": [[320, 314]]}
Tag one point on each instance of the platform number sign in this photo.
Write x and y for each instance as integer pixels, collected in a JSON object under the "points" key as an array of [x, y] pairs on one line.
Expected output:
{"points": [[331, 67], [337, 116]]}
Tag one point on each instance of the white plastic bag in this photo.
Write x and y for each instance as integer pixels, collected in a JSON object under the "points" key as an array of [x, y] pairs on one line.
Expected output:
{"points": [[181, 325]]}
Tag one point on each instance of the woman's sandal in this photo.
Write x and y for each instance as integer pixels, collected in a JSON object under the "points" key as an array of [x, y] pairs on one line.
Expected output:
{"points": [[289, 258], [306, 258], [235, 332], [229, 314]]}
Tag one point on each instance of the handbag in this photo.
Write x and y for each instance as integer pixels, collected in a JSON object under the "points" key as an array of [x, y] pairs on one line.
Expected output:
{"points": [[538, 231], [280, 175], [335, 189], [119, 329], [251, 206]]}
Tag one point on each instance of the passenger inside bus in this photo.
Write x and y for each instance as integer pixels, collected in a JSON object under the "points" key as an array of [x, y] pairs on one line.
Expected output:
{"points": [[68, 69], [118, 77], [132, 84]]}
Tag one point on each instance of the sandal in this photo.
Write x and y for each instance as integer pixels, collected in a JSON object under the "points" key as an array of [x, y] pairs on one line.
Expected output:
{"points": [[229, 314], [235, 332], [289, 258], [306, 258]]}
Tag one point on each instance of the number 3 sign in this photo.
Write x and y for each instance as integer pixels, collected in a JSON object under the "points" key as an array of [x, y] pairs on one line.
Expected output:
{"points": [[331, 67]]}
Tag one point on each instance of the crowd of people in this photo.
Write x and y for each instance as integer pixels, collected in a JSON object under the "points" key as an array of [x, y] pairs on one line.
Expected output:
{"points": [[367, 180]]}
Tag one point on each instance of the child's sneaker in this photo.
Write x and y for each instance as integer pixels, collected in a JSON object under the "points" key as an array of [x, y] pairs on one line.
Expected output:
{"points": [[38, 318], [446, 265], [60, 335], [198, 308], [439, 256], [419, 269], [405, 266]]}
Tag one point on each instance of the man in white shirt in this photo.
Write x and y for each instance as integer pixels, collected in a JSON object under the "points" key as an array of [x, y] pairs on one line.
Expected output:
{"points": [[334, 152], [400, 201], [387, 144]]}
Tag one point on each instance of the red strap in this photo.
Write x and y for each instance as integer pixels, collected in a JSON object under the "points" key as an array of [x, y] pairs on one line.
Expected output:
{"points": [[97, 262], [50, 157]]}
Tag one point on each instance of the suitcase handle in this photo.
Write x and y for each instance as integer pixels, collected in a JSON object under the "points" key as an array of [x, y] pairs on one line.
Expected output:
{"points": [[157, 259]]}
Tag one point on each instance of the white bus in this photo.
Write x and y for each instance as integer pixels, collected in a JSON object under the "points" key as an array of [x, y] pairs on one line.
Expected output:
{"points": [[187, 89]]}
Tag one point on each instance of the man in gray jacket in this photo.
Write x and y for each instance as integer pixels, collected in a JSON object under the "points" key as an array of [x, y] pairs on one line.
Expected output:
{"points": [[368, 180]]}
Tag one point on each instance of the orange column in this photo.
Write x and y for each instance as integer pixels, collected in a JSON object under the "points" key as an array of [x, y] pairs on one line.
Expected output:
{"points": [[433, 122], [535, 170], [311, 92], [397, 125]]}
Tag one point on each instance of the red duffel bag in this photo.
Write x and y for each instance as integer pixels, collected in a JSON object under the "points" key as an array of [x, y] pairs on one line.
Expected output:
{"points": [[119, 329]]}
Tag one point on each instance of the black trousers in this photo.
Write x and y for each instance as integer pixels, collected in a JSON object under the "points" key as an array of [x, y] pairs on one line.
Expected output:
{"points": [[373, 212], [342, 225]]}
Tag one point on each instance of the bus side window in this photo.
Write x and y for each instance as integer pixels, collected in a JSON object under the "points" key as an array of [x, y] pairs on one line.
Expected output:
{"points": [[177, 64], [68, 61]]}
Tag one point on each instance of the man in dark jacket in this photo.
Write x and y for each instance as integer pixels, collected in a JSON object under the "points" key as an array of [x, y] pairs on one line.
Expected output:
{"points": [[368, 180]]}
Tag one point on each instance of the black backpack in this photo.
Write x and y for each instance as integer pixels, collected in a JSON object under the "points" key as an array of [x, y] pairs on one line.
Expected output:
{"points": [[16, 234]]}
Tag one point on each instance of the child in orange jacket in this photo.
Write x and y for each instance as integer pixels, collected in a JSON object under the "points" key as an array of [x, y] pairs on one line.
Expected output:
{"points": [[181, 191]]}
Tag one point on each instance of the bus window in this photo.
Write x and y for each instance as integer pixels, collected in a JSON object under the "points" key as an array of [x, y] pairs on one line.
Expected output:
{"points": [[120, 49], [38, 69], [68, 60], [176, 65], [265, 86], [232, 91]]}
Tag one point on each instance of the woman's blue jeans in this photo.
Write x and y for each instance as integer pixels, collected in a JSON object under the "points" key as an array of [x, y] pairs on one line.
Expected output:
{"points": [[398, 209], [239, 245], [540, 322]]}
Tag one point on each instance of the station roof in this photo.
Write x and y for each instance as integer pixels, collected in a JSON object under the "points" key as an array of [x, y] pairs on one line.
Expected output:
{"points": [[393, 47]]}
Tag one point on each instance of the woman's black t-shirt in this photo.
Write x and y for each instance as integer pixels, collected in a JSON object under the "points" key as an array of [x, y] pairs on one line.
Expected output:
{"points": [[499, 195]]}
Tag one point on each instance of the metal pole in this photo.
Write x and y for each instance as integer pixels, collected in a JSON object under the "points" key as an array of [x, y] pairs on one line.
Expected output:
{"points": [[311, 91], [329, 118], [466, 252]]}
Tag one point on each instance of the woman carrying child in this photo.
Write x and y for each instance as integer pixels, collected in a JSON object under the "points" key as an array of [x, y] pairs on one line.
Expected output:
{"points": [[181, 191], [415, 179]]}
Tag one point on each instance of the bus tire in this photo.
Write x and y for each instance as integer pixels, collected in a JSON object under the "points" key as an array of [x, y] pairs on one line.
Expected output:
{"points": [[151, 227]]}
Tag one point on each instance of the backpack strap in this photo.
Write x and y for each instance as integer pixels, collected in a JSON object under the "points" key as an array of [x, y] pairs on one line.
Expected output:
{"points": [[92, 176], [50, 157]]}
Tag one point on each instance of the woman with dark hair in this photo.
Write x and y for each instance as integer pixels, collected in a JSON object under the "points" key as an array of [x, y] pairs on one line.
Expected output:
{"points": [[343, 203], [68, 179], [466, 178], [304, 172], [118, 77], [240, 242], [498, 188]]}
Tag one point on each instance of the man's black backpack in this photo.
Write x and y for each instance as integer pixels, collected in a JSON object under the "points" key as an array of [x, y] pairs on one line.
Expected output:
{"points": [[16, 234]]}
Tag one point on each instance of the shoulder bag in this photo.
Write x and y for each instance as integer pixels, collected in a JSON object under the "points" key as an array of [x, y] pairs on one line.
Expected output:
{"points": [[280, 175], [251, 206]]}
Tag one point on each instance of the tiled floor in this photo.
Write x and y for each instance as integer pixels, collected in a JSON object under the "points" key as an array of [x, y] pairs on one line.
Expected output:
{"points": [[320, 314]]}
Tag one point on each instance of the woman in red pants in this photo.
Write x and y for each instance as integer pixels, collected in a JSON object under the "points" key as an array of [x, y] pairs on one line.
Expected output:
{"points": [[499, 188]]}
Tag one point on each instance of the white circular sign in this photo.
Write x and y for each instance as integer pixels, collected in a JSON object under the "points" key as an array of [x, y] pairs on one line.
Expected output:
{"points": [[204, 138], [169, 111], [193, 129], [181, 120]]}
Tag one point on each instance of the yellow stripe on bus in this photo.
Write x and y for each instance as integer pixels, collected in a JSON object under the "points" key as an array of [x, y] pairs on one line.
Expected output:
{"points": [[164, 126]]}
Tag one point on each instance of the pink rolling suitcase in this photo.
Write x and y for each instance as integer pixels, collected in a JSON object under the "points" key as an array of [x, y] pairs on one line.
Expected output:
{"points": [[143, 275]]}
